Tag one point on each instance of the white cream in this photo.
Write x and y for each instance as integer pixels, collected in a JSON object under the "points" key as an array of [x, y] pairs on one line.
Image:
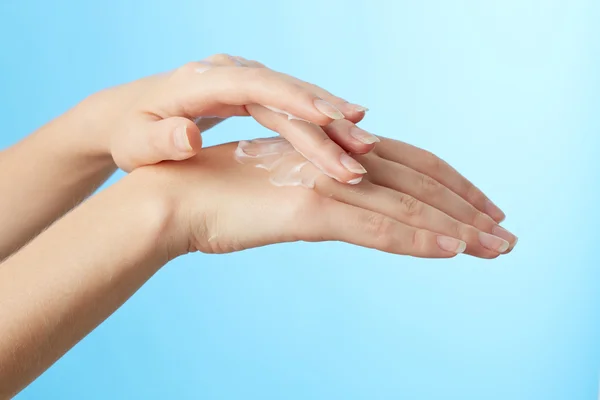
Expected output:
{"points": [[286, 166]]}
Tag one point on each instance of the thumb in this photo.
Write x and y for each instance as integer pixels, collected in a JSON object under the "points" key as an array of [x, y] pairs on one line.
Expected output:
{"points": [[174, 138]]}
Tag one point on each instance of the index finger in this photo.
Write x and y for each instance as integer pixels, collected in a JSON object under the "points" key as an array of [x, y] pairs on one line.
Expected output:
{"points": [[312, 143]]}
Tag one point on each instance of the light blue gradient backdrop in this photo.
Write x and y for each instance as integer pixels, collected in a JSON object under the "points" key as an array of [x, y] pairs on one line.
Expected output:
{"points": [[508, 91]]}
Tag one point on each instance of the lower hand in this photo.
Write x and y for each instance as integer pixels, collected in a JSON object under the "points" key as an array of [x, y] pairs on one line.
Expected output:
{"points": [[420, 207]]}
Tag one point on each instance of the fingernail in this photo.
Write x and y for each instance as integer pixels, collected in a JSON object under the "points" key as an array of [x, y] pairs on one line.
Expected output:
{"points": [[504, 234], [355, 181], [328, 109], [352, 165], [363, 136], [182, 143], [357, 108], [493, 211], [451, 244], [493, 242]]}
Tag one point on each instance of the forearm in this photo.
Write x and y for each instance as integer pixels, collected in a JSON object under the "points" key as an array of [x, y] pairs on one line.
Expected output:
{"points": [[74, 275], [48, 173]]}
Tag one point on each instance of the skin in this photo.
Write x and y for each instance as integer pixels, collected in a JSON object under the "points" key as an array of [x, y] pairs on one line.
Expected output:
{"points": [[138, 123], [70, 278], [67, 279]]}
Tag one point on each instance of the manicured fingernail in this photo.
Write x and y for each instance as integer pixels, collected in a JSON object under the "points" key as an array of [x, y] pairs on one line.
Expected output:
{"points": [[204, 67], [352, 165], [355, 181], [451, 244], [493, 211], [504, 234], [182, 143], [493, 242], [363, 136], [357, 108], [328, 109]]}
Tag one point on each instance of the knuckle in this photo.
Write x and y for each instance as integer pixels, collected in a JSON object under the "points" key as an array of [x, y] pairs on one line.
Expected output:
{"points": [[480, 220], [187, 68], [410, 206], [485, 222], [328, 142], [458, 230], [221, 59], [429, 185], [301, 92], [257, 74], [417, 241], [381, 229]]}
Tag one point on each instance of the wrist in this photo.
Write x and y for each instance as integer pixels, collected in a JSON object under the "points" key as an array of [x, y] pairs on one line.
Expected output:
{"points": [[93, 120], [154, 196]]}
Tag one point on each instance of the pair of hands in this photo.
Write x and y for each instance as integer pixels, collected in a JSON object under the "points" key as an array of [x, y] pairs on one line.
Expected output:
{"points": [[410, 202], [69, 278]]}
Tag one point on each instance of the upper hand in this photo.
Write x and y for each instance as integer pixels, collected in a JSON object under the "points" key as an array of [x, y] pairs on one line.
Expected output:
{"points": [[153, 119], [410, 203]]}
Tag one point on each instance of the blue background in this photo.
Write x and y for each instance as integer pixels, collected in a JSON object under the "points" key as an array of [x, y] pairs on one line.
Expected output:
{"points": [[508, 91]]}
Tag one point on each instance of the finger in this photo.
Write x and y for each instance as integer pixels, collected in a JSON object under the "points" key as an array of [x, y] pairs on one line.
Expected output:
{"points": [[429, 164], [352, 112], [351, 137], [350, 224], [412, 212], [313, 143], [173, 138], [200, 90], [426, 189]]}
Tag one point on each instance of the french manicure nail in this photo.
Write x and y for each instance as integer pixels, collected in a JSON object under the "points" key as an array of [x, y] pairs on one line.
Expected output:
{"points": [[328, 109], [493, 211], [493, 242], [451, 244], [180, 138], [363, 136], [504, 234], [351, 164], [355, 181]]}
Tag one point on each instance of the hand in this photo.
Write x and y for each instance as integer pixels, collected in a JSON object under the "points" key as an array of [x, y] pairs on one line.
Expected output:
{"points": [[223, 206], [151, 119]]}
